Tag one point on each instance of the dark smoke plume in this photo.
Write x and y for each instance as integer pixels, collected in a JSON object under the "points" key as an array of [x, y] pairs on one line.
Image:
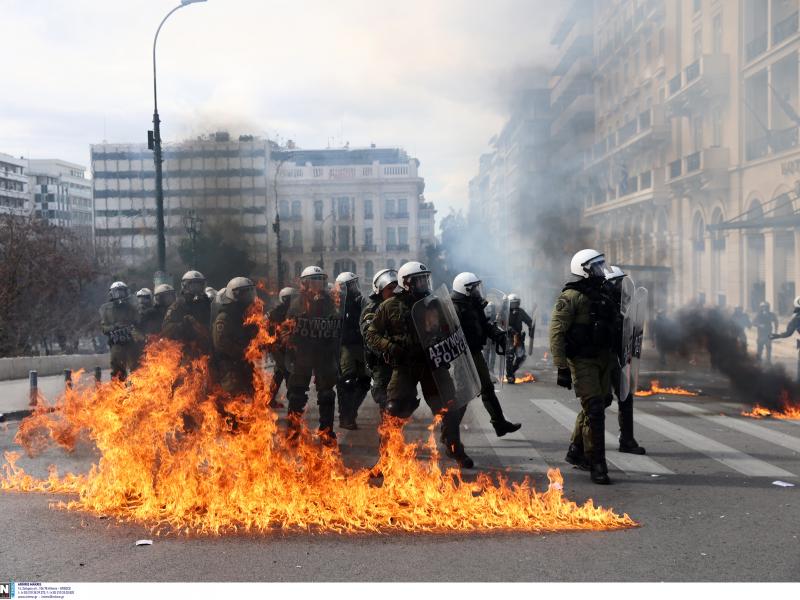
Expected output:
{"points": [[712, 331]]}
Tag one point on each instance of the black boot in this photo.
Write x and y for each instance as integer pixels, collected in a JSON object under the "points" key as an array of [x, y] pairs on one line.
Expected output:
{"points": [[499, 422], [457, 453], [597, 422], [575, 456], [451, 435], [326, 401], [627, 443]]}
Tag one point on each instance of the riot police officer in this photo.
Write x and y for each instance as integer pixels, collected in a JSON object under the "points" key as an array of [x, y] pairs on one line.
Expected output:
{"points": [[189, 318], [276, 318], [469, 302], [627, 443], [231, 337], [384, 284], [163, 298], [354, 379], [149, 318], [313, 350], [792, 326], [515, 346], [392, 333], [582, 330], [766, 323], [118, 321]]}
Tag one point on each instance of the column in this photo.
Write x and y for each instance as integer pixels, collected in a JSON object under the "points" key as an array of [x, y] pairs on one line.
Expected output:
{"points": [[769, 268]]}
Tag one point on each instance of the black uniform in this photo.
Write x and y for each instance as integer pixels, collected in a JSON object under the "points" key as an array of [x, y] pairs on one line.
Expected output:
{"points": [[766, 323], [791, 327], [477, 329], [276, 317], [515, 346], [151, 319], [354, 379]]}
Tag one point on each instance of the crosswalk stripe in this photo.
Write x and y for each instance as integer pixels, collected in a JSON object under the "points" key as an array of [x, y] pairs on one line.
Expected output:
{"points": [[630, 463], [523, 458], [764, 433], [730, 457]]}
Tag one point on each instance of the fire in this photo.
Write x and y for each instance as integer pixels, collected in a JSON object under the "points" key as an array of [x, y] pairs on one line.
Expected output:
{"points": [[655, 388], [527, 378], [180, 456], [789, 412]]}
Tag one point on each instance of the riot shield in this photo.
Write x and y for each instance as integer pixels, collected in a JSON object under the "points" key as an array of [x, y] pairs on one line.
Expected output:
{"points": [[625, 352], [446, 350], [500, 300], [534, 318], [316, 331], [639, 319]]}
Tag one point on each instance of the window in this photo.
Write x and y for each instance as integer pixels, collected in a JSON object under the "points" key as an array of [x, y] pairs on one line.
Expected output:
{"points": [[298, 269], [318, 238], [297, 238], [697, 50], [391, 237], [296, 208], [717, 33], [283, 209], [369, 270], [697, 5], [402, 236], [318, 210], [344, 238], [389, 206], [402, 206], [697, 133], [368, 208], [343, 207], [368, 241]]}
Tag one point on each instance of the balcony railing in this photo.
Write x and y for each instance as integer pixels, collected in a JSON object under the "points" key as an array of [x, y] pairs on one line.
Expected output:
{"points": [[756, 46], [674, 84], [626, 132], [784, 29], [369, 248], [646, 180], [784, 139], [395, 215], [692, 71], [397, 247]]}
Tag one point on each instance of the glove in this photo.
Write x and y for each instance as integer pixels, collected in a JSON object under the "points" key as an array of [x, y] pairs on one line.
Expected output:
{"points": [[564, 378], [774, 336]]}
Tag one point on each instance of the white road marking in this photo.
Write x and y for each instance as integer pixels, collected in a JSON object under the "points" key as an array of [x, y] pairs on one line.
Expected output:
{"points": [[630, 463]]}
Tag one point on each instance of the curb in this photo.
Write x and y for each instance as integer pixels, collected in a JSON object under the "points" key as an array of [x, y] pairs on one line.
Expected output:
{"points": [[15, 415]]}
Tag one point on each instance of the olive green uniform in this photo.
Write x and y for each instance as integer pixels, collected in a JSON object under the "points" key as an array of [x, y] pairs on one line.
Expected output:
{"points": [[313, 350], [379, 368], [119, 321], [150, 320], [231, 337], [392, 333], [189, 321], [581, 330]]}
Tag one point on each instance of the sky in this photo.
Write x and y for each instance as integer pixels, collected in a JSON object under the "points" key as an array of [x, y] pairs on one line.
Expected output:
{"points": [[431, 76]]}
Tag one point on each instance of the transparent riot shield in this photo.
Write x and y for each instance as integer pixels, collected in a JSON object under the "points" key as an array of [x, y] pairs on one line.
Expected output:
{"points": [[500, 300], [316, 331], [446, 349], [626, 309], [534, 318], [639, 319]]}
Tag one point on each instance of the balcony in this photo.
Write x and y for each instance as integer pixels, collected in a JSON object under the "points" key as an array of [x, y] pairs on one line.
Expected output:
{"points": [[779, 140], [784, 29], [576, 116], [369, 248], [397, 247], [706, 169], [707, 77], [395, 215], [646, 186], [648, 128]]}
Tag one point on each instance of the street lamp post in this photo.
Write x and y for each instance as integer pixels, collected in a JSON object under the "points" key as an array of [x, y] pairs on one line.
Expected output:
{"points": [[154, 143]]}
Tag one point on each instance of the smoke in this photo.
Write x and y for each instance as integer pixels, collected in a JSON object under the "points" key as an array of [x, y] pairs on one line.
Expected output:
{"points": [[712, 331]]}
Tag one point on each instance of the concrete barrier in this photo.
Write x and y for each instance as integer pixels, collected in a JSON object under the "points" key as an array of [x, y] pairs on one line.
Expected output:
{"points": [[19, 366]]}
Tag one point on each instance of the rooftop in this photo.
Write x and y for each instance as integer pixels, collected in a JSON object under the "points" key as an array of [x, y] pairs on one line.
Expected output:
{"points": [[342, 156]]}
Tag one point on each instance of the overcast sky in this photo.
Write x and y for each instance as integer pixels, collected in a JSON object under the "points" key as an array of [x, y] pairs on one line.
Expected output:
{"points": [[431, 76]]}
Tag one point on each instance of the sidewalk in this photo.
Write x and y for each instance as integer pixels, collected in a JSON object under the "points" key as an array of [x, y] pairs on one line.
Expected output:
{"points": [[15, 393]]}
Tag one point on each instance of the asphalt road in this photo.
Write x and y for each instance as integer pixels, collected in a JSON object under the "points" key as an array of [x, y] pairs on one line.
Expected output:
{"points": [[712, 513]]}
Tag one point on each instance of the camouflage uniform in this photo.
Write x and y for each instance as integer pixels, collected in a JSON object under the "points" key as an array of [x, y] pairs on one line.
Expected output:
{"points": [[151, 319], [118, 321], [313, 350], [231, 337], [378, 367], [188, 321], [354, 379], [581, 335], [392, 333]]}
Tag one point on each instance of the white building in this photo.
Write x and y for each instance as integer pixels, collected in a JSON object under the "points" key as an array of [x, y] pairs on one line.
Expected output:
{"points": [[14, 194], [62, 195], [352, 209], [213, 177]]}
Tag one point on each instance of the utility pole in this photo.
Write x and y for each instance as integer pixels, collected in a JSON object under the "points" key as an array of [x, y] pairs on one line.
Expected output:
{"points": [[192, 222], [276, 225]]}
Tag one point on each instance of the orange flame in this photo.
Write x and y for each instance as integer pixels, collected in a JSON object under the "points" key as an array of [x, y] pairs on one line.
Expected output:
{"points": [[655, 388], [789, 412], [527, 378], [171, 459]]}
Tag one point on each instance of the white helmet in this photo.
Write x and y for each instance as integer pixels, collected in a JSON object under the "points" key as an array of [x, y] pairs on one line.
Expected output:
{"points": [[144, 292], [211, 293], [286, 293], [614, 272], [383, 278], [193, 283], [797, 302], [145, 297], [415, 277], [468, 284], [588, 263], [118, 291], [346, 277], [240, 289], [313, 272], [513, 301], [164, 294]]}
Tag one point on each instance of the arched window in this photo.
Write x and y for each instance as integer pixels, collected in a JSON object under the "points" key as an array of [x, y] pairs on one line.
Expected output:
{"points": [[345, 264], [369, 271]]}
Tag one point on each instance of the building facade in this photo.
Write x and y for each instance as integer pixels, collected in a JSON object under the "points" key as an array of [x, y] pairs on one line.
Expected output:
{"points": [[213, 178], [14, 192], [344, 209], [62, 195]]}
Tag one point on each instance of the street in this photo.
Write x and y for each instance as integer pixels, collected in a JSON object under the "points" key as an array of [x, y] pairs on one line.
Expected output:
{"points": [[703, 496]]}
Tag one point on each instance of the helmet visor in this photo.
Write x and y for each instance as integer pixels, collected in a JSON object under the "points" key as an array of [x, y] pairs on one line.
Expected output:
{"points": [[315, 283], [385, 279], [165, 298], [597, 268], [118, 293], [145, 301], [476, 290], [420, 284], [195, 287], [245, 295]]}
